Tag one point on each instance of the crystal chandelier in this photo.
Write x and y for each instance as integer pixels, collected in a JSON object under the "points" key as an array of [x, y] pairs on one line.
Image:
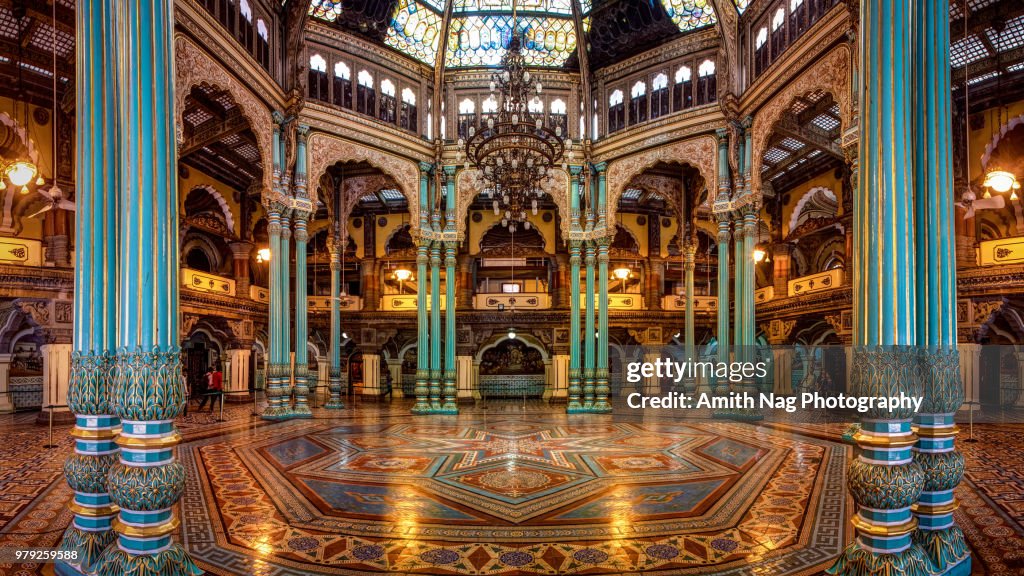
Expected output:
{"points": [[513, 149]]}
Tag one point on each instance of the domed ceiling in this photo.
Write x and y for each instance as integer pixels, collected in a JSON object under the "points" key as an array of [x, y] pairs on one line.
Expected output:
{"points": [[479, 30]]}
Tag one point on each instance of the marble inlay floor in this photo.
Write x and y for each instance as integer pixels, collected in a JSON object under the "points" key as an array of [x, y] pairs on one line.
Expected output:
{"points": [[509, 490]]}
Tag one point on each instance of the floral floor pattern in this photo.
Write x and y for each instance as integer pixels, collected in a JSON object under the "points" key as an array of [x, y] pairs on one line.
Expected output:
{"points": [[520, 492]]}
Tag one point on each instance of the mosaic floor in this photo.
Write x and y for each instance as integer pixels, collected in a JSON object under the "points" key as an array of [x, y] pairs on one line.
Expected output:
{"points": [[508, 491]]}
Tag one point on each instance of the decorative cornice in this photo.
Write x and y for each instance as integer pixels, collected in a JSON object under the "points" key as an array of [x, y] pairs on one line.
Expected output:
{"points": [[691, 43], [333, 37], [365, 130]]}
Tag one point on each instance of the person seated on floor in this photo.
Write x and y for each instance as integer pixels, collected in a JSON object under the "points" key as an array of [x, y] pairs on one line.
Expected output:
{"points": [[214, 384]]}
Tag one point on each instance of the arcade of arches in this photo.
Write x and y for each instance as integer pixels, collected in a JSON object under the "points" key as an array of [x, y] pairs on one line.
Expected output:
{"points": [[403, 382]]}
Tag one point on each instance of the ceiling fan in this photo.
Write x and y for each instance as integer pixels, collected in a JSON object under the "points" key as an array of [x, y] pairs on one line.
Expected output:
{"points": [[56, 199], [971, 203]]}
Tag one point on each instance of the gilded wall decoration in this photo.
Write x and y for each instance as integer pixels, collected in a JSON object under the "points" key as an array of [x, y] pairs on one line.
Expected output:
{"points": [[193, 67], [830, 73], [699, 152], [325, 150]]}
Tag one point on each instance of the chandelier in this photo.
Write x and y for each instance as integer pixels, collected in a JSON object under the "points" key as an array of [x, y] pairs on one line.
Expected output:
{"points": [[513, 149]]}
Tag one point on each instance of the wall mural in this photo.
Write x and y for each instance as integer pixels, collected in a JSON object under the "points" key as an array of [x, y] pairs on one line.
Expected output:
{"points": [[511, 357]]}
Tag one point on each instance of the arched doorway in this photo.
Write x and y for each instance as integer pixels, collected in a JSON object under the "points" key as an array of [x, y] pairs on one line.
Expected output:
{"points": [[512, 368]]}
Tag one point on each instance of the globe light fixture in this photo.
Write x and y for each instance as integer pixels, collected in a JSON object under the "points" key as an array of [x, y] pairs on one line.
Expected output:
{"points": [[759, 254], [621, 273], [1001, 181], [511, 333], [20, 172], [263, 255], [403, 274]]}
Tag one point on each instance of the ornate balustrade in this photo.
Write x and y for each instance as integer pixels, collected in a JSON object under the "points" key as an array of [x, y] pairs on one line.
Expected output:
{"points": [[1001, 252], [21, 252], [520, 301], [512, 386], [346, 303], [204, 282], [700, 303], [404, 302], [622, 301], [828, 280]]}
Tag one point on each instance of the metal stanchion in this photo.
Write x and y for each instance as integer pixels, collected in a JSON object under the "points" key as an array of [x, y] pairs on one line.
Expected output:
{"points": [[50, 408], [255, 408], [970, 426], [221, 417]]}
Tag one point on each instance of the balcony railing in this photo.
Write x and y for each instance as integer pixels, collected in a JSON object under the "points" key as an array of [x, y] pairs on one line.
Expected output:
{"points": [[19, 251], [816, 282], [345, 303], [700, 303], [1002, 251], [622, 301], [404, 302], [259, 294], [520, 301], [764, 294], [204, 282]]}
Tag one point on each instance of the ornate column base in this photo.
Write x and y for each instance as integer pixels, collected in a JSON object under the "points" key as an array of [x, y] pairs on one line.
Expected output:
{"points": [[172, 561], [588, 391], [601, 391], [301, 388], [334, 388], [859, 561], [449, 407], [574, 406], [422, 405], [435, 391], [278, 406], [946, 550]]}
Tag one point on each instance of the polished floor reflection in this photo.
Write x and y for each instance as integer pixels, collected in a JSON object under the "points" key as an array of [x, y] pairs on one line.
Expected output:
{"points": [[507, 490]]}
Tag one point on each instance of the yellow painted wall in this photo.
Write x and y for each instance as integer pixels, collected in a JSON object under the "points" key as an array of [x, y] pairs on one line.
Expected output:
{"points": [[41, 136], [982, 137], [198, 178], [825, 180], [667, 234], [475, 230], [629, 221]]}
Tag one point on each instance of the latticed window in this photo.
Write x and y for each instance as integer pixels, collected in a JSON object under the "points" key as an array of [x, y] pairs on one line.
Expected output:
{"points": [[407, 114], [778, 33], [638, 103], [558, 118], [262, 44], [682, 90], [318, 77], [798, 23], [388, 102], [342, 85], [707, 85], [366, 96], [467, 117], [762, 53], [616, 112], [659, 96]]}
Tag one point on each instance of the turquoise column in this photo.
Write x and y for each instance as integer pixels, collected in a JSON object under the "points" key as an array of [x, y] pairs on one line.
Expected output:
{"points": [[149, 391], [95, 331], [575, 246], [689, 332], [884, 480], [302, 374], [435, 320], [422, 405], [941, 540], [285, 316], [601, 390], [750, 314], [334, 372], [589, 344], [739, 304], [277, 370], [722, 385], [448, 392]]}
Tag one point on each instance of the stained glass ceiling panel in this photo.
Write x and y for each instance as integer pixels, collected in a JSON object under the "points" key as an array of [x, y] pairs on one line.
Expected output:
{"points": [[481, 40], [689, 14], [327, 10], [547, 6], [741, 5], [414, 31]]}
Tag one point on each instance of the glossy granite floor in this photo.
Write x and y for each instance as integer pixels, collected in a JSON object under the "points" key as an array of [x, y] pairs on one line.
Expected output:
{"points": [[511, 489]]}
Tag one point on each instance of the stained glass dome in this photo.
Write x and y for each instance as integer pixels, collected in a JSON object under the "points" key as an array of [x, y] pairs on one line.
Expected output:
{"points": [[480, 30]]}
